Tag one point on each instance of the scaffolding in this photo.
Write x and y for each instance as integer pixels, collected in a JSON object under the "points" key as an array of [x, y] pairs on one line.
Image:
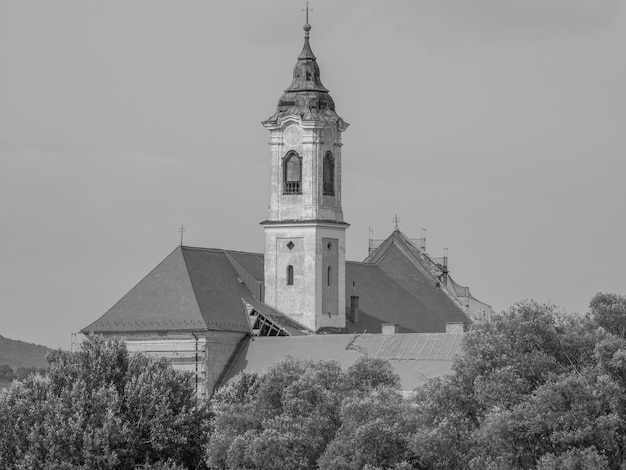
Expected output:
{"points": [[374, 243], [187, 355]]}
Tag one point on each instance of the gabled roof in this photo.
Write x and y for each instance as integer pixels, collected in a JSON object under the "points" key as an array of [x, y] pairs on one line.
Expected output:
{"points": [[196, 289], [426, 271], [394, 287], [415, 357], [192, 289]]}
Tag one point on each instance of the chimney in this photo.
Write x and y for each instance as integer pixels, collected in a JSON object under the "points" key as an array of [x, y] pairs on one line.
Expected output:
{"points": [[390, 328], [354, 308]]}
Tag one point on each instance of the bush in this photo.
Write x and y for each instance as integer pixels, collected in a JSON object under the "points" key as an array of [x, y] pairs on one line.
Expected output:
{"points": [[101, 408]]}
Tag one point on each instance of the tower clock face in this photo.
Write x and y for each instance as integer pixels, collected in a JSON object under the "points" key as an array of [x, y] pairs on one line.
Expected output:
{"points": [[293, 135]]}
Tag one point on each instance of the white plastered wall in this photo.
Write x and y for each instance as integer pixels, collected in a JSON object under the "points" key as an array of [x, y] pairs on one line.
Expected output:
{"points": [[303, 300]]}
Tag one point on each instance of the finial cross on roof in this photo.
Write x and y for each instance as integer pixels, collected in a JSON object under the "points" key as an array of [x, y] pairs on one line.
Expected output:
{"points": [[307, 9], [396, 221], [181, 230]]}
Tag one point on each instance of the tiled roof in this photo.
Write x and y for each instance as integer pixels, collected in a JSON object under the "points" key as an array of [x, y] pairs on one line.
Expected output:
{"points": [[409, 347], [421, 307], [433, 271], [217, 289], [202, 288], [250, 262], [191, 289], [394, 287], [426, 356]]}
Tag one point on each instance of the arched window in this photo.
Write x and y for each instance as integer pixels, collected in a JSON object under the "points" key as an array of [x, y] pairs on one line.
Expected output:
{"points": [[290, 275], [330, 276], [292, 174], [329, 174]]}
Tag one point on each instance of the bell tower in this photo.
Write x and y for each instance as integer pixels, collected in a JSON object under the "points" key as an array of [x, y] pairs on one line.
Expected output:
{"points": [[305, 233]]}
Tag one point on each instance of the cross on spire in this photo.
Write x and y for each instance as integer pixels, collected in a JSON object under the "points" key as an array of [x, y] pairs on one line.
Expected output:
{"points": [[307, 26], [307, 9], [396, 221], [181, 230]]}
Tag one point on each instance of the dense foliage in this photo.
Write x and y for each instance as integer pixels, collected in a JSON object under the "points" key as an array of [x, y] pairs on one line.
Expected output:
{"points": [[305, 414], [534, 389], [8, 374], [101, 408]]}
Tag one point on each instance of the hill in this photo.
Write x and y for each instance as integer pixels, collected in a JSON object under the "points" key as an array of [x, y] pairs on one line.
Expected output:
{"points": [[18, 354]]}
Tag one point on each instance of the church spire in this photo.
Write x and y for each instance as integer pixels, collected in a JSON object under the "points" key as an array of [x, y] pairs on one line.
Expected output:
{"points": [[306, 53], [306, 73], [306, 96]]}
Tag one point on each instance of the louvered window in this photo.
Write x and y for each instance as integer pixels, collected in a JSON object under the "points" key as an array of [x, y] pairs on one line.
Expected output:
{"points": [[292, 174], [329, 174]]}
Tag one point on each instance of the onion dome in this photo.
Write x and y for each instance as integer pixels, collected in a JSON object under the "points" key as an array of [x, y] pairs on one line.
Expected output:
{"points": [[306, 73], [306, 96]]}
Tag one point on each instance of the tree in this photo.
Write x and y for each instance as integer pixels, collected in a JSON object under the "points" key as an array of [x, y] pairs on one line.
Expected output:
{"points": [[369, 373], [574, 459], [533, 389], [286, 417], [101, 408], [6, 374], [570, 411], [609, 312], [375, 431], [281, 419]]}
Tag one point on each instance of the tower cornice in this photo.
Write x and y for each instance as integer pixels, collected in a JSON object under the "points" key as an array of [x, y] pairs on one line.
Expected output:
{"points": [[283, 120], [303, 223]]}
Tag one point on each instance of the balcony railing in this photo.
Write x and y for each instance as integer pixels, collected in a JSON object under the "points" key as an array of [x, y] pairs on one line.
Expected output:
{"points": [[292, 187], [329, 188]]}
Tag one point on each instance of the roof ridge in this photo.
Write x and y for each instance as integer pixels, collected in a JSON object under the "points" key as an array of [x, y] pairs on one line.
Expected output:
{"points": [[362, 263], [132, 288], [422, 333], [414, 260], [219, 250], [412, 256], [193, 287], [376, 255], [417, 253], [245, 252]]}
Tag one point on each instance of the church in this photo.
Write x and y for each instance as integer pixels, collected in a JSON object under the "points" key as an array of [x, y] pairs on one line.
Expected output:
{"points": [[215, 312]]}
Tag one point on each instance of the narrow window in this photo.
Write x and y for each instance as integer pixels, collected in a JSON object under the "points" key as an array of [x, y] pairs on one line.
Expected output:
{"points": [[292, 174], [329, 174], [330, 276], [290, 275]]}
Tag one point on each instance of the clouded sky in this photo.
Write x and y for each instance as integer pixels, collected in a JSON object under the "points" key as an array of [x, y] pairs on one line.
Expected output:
{"points": [[499, 126]]}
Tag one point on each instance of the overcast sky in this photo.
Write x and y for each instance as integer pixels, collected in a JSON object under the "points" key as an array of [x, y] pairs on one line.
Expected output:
{"points": [[497, 125]]}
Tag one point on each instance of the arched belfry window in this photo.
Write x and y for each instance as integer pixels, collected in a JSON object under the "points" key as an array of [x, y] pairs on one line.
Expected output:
{"points": [[290, 275], [329, 174], [292, 174]]}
